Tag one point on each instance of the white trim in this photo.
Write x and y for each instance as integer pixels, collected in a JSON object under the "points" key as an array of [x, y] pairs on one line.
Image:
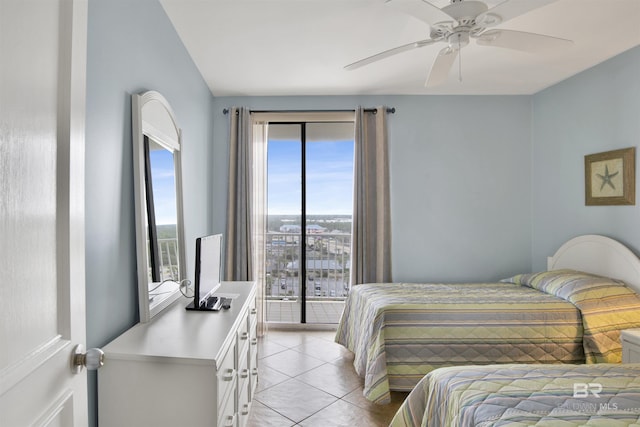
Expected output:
{"points": [[159, 137], [598, 255], [151, 96]]}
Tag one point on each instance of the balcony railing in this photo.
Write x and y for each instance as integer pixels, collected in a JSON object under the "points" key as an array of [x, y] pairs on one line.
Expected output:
{"points": [[327, 265], [169, 266], [326, 285]]}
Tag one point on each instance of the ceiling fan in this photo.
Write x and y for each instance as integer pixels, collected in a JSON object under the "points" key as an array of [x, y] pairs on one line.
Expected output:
{"points": [[462, 21]]}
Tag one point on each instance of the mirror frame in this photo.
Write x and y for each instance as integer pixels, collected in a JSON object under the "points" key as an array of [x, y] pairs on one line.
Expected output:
{"points": [[162, 128]]}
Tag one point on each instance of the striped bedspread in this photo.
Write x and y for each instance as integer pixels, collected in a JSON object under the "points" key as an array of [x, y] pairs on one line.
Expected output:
{"points": [[607, 306], [525, 395], [399, 332]]}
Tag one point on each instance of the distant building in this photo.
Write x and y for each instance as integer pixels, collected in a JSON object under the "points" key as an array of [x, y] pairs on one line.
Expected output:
{"points": [[294, 228], [316, 265], [290, 228], [315, 228]]}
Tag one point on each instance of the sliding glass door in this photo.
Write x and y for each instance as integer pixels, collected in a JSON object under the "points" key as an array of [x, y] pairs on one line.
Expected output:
{"points": [[309, 199]]}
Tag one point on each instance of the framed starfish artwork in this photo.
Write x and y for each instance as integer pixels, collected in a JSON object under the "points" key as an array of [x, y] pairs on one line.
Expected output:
{"points": [[610, 177]]}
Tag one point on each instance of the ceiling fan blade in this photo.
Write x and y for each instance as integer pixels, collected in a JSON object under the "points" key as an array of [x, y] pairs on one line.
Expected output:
{"points": [[423, 10], [388, 53], [520, 40], [507, 10], [441, 67]]}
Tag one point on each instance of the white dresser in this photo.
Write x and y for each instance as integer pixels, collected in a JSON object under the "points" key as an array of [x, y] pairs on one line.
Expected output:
{"points": [[630, 345], [184, 368]]}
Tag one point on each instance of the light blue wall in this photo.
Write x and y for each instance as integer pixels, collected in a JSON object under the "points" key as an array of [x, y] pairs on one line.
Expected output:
{"points": [[460, 173], [133, 47], [597, 110]]}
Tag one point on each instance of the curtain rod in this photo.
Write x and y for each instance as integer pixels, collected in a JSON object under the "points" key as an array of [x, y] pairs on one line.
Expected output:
{"points": [[390, 110]]}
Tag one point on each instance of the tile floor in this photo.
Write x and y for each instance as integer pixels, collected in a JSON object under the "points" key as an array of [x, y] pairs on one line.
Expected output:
{"points": [[306, 379]]}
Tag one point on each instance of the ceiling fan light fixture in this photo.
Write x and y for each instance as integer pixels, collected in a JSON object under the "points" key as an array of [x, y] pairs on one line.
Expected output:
{"points": [[458, 40]]}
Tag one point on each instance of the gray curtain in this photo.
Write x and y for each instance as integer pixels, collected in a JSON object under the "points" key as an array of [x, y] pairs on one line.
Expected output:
{"points": [[371, 233], [246, 204], [238, 242]]}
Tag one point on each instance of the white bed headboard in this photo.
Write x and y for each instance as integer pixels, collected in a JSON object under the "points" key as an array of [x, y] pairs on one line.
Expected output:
{"points": [[598, 255]]}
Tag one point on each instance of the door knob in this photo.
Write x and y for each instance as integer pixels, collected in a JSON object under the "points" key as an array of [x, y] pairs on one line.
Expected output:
{"points": [[93, 359]]}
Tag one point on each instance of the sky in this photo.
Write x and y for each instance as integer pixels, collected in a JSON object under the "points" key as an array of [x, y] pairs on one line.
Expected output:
{"points": [[329, 177], [164, 186]]}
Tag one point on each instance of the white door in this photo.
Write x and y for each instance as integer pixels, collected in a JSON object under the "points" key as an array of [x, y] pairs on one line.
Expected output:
{"points": [[42, 296]]}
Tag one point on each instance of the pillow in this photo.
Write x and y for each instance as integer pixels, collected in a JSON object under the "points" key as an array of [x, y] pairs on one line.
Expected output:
{"points": [[606, 305], [561, 283], [518, 279]]}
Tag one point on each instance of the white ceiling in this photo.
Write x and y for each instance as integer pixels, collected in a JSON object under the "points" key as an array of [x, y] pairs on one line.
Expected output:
{"points": [[299, 47]]}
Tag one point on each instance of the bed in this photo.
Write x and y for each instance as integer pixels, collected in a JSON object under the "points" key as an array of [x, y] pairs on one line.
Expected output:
{"points": [[525, 395], [572, 313]]}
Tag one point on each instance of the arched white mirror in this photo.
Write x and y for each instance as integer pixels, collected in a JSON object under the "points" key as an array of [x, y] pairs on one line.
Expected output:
{"points": [[158, 203]]}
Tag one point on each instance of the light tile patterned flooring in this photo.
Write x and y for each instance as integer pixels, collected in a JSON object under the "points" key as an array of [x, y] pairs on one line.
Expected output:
{"points": [[306, 379]]}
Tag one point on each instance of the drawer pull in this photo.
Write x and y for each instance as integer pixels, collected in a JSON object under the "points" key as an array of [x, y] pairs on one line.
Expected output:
{"points": [[254, 371], [244, 373], [230, 421], [244, 336], [229, 375], [254, 341], [245, 409]]}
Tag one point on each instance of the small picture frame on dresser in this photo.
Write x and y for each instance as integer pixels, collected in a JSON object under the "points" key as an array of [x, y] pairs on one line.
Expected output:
{"points": [[630, 340]]}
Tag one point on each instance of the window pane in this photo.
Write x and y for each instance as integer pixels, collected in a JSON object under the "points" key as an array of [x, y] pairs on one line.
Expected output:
{"points": [[284, 206], [329, 200]]}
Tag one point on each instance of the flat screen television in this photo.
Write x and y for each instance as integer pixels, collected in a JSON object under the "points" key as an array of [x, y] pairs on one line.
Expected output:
{"points": [[207, 274]]}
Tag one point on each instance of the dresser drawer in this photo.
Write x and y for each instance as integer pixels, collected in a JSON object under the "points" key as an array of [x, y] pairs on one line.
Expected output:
{"points": [[253, 313], [226, 374], [227, 416], [243, 332], [243, 338], [253, 345], [244, 402], [253, 349], [253, 373], [244, 371]]}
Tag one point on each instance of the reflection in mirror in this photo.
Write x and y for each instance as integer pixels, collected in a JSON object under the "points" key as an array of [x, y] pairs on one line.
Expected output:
{"points": [[159, 227], [162, 233]]}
